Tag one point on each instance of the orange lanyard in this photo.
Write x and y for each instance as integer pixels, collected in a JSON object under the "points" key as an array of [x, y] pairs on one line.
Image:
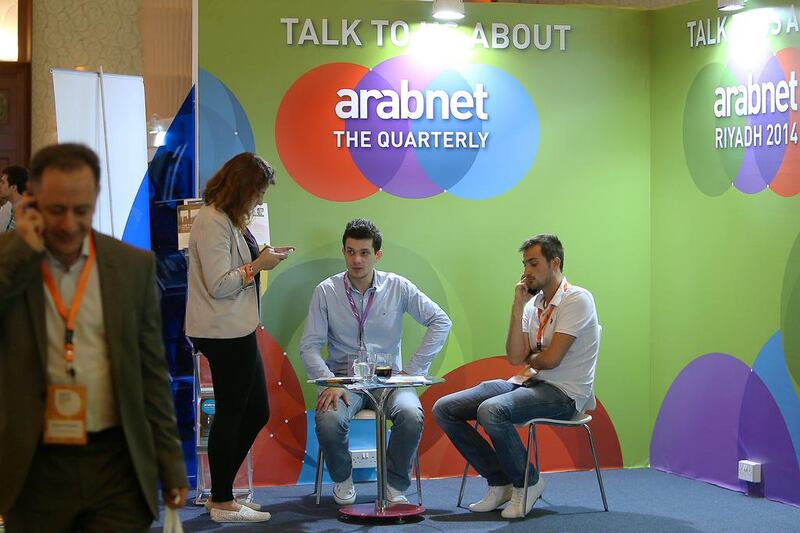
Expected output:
{"points": [[542, 324], [68, 315]]}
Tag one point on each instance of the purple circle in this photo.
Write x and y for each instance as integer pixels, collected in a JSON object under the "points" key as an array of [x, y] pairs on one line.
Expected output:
{"points": [[765, 438], [395, 170], [696, 429], [717, 412], [769, 158], [760, 163], [379, 165]]}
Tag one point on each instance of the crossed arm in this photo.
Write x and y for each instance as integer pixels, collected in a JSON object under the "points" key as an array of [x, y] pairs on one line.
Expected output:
{"points": [[518, 346]]}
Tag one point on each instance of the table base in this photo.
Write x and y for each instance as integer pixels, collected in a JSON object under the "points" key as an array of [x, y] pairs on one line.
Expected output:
{"points": [[393, 511]]}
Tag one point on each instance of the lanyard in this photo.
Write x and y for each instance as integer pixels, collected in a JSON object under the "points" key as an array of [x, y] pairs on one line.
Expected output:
{"points": [[68, 315], [543, 323], [361, 319]]}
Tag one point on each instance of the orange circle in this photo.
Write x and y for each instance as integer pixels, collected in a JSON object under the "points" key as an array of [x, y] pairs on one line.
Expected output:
{"points": [[304, 134], [787, 179]]}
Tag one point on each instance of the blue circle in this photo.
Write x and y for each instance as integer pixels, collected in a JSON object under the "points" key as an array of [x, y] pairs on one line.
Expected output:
{"points": [[513, 141]]}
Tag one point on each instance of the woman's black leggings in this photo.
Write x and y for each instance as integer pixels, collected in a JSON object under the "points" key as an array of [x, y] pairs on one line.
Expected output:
{"points": [[241, 407]]}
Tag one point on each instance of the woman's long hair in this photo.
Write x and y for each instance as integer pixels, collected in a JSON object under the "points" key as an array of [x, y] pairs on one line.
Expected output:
{"points": [[234, 187]]}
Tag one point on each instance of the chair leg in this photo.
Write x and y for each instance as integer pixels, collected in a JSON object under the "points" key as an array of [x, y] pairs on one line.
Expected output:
{"points": [[463, 484], [464, 478], [535, 448], [597, 468], [531, 435], [419, 479], [318, 480]]}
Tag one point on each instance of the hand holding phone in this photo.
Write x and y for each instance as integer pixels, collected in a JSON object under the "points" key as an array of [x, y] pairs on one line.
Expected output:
{"points": [[29, 222], [270, 257], [278, 250], [522, 293], [284, 249]]}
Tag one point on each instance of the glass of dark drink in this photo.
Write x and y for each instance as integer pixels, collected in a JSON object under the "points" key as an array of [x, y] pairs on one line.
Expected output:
{"points": [[383, 366]]}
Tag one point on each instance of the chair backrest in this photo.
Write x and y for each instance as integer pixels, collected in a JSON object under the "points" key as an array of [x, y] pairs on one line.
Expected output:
{"points": [[591, 404]]}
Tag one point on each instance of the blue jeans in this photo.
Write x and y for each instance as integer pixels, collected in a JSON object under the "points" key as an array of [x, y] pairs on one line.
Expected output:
{"points": [[498, 405], [402, 407]]}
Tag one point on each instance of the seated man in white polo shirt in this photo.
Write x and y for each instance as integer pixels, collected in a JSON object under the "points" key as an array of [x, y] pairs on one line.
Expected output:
{"points": [[555, 334]]}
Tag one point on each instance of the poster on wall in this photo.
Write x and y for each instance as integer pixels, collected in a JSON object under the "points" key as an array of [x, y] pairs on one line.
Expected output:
{"points": [[726, 178], [459, 140]]}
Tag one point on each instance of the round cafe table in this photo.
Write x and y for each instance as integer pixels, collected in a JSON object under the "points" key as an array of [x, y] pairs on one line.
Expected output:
{"points": [[378, 389]]}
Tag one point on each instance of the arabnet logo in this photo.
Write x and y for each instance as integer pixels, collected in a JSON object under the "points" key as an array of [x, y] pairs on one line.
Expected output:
{"points": [[345, 132], [393, 105], [740, 124]]}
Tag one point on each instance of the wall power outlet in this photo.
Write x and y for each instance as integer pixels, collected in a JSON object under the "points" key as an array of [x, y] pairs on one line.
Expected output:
{"points": [[364, 458], [750, 471]]}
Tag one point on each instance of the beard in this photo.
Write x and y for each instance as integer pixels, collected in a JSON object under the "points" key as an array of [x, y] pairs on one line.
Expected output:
{"points": [[538, 284]]}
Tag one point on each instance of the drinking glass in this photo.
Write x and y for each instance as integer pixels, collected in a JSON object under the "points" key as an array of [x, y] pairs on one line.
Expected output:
{"points": [[363, 365], [383, 365]]}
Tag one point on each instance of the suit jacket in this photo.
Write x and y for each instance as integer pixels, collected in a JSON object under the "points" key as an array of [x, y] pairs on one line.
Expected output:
{"points": [[218, 306], [135, 349]]}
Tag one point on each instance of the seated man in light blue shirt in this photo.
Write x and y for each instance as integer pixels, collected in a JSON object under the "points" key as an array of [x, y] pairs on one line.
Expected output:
{"points": [[362, 310]]}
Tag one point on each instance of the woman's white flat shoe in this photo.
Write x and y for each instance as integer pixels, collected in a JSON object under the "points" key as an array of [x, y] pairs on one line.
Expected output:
{"points": [[252, 505], [244, 514]]}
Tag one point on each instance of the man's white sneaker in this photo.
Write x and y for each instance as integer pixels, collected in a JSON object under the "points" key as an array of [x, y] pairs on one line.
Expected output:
{"points": [[395, 496], [344, 493], [495, 497], [514, 509], [244, 514]]}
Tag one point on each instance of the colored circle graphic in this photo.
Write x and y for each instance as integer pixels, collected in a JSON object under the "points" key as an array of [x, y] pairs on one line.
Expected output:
{"points": [[790, 313], [786, 181], [712, 170], [304, 134], [406, 128], [446, 167], [741, 125], [379, 166], [762, 158], [224, 127], [512, 147]]}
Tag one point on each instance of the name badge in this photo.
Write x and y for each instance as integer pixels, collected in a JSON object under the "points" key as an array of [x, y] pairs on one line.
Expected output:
{"points": [[65, 415]]}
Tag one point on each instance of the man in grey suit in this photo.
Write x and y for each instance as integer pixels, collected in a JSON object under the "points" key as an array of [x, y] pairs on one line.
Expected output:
{"points": [[87, 425]]}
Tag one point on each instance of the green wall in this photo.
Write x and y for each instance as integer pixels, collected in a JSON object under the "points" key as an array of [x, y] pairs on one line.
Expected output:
{"points": [[589, 183], [718, 261]]}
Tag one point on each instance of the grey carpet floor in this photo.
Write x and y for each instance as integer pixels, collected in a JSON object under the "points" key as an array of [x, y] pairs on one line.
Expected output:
{"points": [[640, 500]]}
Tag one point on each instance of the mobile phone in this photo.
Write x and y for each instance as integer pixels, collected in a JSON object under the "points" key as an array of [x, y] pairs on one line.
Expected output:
{"points": [[284, 250], [33, 204]]}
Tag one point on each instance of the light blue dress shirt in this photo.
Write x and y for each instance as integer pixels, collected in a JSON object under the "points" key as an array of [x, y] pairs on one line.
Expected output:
{"points": [[330, 319]]}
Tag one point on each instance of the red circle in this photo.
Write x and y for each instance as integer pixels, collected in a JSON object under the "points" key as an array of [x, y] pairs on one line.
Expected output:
{"points": [[787, 179], [305, 139]]}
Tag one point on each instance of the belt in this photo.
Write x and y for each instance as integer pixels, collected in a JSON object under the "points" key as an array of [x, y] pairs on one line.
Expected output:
{"points": [[112, 433]]}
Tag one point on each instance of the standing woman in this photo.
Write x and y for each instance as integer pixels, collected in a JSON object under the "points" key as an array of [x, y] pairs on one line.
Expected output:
{"points": [[222, 314]]}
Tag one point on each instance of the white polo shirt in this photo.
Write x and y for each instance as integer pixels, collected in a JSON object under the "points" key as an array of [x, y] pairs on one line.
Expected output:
{"points": [[574, 314]]}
